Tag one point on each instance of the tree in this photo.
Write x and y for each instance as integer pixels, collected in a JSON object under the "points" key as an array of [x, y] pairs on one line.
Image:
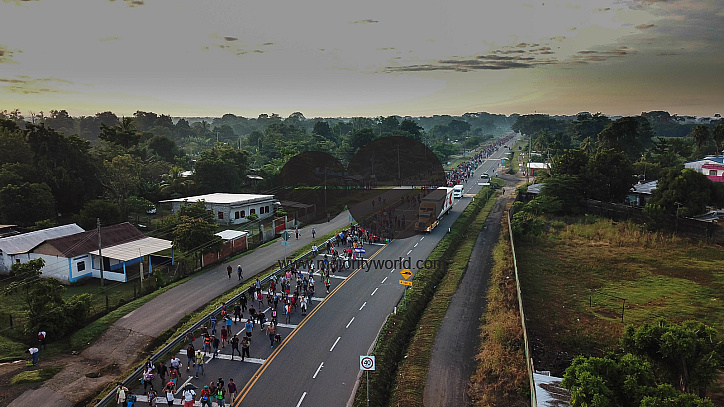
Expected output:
{"points": [[322, 128], [108, 213], [195, 235], [566, 189], [700, 135], [717, 135], [630, 135], [121, 178], [124, 133], [163, 146], [174, 184], [360, 138], [570, 162], [413, 128], [26, 204], [686, 192], [687, 355], [608, 176], [221, 169]]}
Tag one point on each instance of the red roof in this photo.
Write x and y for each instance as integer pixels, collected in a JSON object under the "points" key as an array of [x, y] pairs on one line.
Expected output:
{"points": [[86, 242]]}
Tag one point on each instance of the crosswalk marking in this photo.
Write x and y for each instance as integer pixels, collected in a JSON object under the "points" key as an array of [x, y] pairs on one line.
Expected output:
{"points": [[333, 276]]}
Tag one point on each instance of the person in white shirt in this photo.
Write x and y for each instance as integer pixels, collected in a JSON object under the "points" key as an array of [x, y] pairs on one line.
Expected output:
{"points": [[189, 395]]}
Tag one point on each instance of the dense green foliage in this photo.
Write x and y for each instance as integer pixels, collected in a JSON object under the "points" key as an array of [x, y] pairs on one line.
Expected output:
{"points": [[661, 364]]}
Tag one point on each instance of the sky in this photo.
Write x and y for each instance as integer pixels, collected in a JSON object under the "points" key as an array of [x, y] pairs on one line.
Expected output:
{"points": [[338, 58]]}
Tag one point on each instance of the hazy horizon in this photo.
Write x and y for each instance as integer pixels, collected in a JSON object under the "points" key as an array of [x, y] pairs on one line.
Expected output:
{"points": [[325, 59]]}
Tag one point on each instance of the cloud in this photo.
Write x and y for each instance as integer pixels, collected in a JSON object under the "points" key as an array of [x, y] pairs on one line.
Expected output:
{"points": [[585, 56], [490, 62], [645, 26], [109, 39], [366, 21], [26, 85], [230, 39], [7, 54], [132, 3]]}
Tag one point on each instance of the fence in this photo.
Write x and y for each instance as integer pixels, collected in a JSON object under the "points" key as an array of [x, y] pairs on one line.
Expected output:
{"points": [[131, 380], [528, 359]]}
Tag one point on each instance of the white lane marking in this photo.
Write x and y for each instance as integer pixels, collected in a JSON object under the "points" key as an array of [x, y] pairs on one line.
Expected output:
{"points": [[290, 326], [332, 276], [349, 323], [408, 253], [300, 400], [422, 238], [373, 292], [363, 305], [416, 244], [237, 359], [317, 298], [335, 344], [318, 369], [383, 281], [184, 385]]}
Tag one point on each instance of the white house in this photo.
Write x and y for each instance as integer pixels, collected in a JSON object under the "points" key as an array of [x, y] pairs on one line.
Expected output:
{"points": [[17, 248], [75, 256], [230, 209]]}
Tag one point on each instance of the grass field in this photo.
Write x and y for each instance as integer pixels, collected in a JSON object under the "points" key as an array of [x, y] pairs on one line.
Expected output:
{"points": [[584, 273]]}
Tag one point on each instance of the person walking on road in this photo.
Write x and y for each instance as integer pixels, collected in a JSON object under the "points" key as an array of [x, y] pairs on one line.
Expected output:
{"points": [[213, 324], [237, 313], [245, 342], [162, 370], [242, 301], [121, 395], [220, 393], [232, 390], [271, 331], [228, 271], [314, 232], [189, 396], [249, 327], [199, 364], [190, 356], [238, 272], [235, 346], [215, 343], [224, 336], [205, 397]]}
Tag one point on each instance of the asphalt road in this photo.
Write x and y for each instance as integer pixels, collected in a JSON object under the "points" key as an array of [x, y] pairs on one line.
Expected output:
{"points": [[317, 362]]}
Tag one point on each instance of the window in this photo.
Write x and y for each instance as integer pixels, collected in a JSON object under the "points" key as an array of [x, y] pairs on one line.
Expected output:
{"points": [[81, 265], [712, 172], [243, 214], [266, 209], [221, 215], [252, 210], [236, 215]]}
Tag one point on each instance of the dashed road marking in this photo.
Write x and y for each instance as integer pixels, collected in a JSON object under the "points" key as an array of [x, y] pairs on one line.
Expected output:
{"points": [[335, 344], [318, 369], [373, 292], [349, 323], [363, 305], [302, 398], [383, 281]]}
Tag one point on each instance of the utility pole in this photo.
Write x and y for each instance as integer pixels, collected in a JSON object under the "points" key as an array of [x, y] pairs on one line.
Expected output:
{"points": [[100, 256]]}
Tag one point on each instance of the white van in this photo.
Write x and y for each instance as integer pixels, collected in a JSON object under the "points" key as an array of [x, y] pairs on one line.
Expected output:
{"points": [[458, 191]]}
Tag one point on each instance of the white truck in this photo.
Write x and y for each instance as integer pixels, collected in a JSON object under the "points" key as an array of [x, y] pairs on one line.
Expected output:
{"points": [[432, 208], [458, 191]]}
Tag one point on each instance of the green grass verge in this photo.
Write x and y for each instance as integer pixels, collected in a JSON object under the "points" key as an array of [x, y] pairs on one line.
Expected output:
{"points": [[501, 374], [34, 376], [397, 331], [413, 370], [11, 349], [579, 263]]}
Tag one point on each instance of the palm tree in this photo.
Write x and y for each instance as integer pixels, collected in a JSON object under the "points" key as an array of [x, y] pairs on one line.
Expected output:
{"points": [[701, 137], [718, 136], [175, 183]]}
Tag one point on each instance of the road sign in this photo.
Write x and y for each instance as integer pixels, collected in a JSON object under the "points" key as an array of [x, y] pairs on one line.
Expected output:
{"points": [[285, 235], [285, 243], [367, 362], [406, 273], [403, 282]]}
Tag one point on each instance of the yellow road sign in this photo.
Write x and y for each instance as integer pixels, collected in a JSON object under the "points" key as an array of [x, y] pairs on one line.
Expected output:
{"points": [[406, 274], [403, 282]]}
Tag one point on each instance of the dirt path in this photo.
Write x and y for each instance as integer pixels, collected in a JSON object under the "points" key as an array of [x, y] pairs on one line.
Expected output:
{"points": [[121, 346], [453, 355]]}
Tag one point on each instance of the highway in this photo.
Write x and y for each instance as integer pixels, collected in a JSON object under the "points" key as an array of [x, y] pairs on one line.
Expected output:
{"points": [[317, 362]]}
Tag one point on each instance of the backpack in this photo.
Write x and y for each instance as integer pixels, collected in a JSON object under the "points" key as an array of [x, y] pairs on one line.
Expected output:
{"points": [[41, 336]]}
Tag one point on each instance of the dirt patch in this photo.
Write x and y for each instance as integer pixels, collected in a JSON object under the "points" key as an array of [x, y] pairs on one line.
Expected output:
{"points": [[84, 375]]}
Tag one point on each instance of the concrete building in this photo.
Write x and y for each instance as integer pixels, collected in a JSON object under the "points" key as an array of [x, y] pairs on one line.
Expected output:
{"points": [[76, 256], [711, 166], [231, 209], [18, 248]]}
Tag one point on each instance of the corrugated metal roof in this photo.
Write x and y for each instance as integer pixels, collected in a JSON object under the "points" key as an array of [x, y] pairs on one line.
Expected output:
{"points": [[645, 188], [25, 242], [230, 234], [223, 198], [134, 249], [86, 242]]}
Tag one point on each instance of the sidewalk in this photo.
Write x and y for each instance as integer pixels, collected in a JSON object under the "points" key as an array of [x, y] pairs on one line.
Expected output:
{"points": [[118, 348]]}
